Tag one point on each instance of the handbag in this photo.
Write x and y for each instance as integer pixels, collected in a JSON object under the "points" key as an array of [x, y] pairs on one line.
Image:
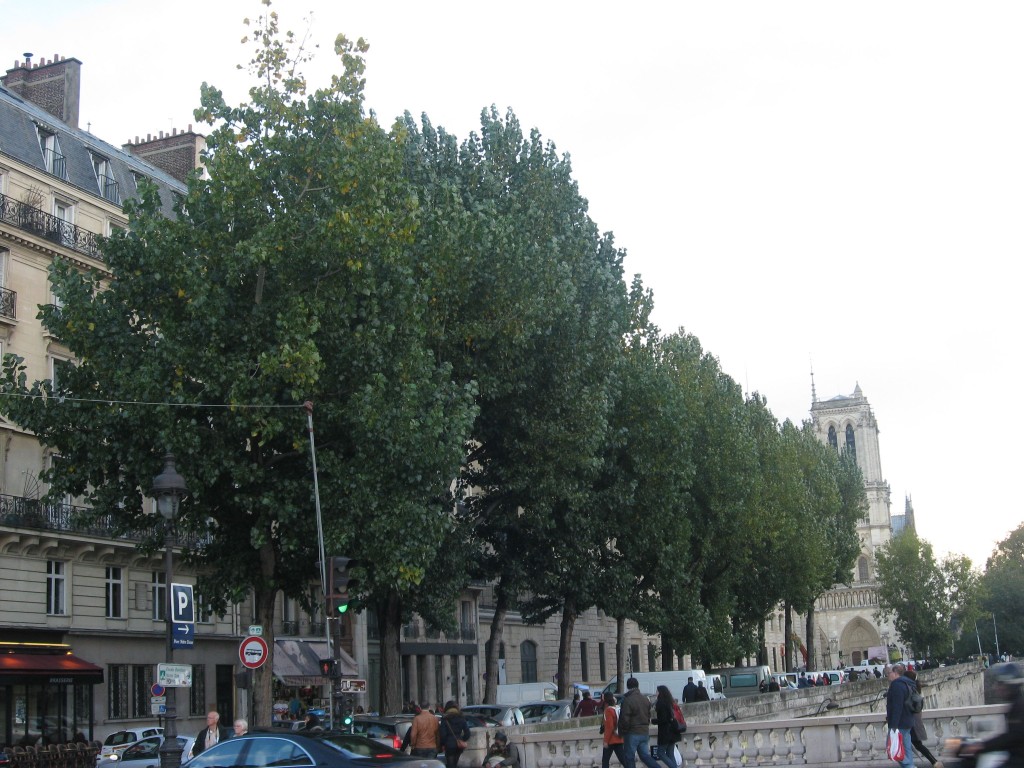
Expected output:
{"points": [[894, 747], [459, 743]]}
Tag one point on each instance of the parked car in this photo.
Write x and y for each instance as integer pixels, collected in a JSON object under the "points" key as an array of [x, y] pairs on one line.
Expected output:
{"points": [[547, 711], [786, 680], [119, 741], [505, 715], [145, 753], [330, 750], [389, 731]]}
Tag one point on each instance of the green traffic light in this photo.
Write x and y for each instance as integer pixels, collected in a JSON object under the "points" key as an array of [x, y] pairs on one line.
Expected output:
{"points": [[342, 607]]}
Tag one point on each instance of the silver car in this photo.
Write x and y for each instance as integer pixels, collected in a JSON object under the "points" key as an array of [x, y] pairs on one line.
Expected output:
{"points": [[547, 711], [504, 714], [144, 753]]}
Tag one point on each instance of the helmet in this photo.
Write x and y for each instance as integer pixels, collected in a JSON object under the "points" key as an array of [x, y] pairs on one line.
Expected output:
{"points": [[1008, 673]]}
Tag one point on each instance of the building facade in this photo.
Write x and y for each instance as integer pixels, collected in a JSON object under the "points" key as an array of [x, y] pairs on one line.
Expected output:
{"points": [[845, 622]]}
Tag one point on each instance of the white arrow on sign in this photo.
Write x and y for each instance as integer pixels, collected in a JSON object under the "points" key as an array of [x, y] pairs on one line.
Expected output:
{"points": [[185, 629]]}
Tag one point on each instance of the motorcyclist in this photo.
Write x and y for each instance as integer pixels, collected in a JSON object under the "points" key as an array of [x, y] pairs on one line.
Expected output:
{"points": [[1009, 681]]}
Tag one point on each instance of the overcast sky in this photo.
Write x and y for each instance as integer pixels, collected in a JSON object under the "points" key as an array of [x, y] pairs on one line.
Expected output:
{"points": [[826, 184]]}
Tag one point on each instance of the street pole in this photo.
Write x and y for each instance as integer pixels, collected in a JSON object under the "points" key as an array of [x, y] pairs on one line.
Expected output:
{"points": [[996, 630], [168, 490]]}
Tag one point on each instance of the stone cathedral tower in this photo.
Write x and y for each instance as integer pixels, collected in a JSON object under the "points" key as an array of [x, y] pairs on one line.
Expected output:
{"points": [[846, 621]]}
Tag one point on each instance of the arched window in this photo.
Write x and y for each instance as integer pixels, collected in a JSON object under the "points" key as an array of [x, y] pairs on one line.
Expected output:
{"points": [[832, 439], [528, 661], [851, 444], [862, 568]]}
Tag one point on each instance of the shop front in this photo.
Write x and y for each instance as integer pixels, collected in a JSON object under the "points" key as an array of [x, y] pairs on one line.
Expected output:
{"points": [[46, 694]]}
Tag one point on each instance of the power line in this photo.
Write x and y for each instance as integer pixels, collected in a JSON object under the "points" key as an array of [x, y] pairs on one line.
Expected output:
{"points": [[60, 400]]}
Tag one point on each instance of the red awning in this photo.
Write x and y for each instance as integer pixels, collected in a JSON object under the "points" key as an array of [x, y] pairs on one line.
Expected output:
{"points": [[47, 668]]}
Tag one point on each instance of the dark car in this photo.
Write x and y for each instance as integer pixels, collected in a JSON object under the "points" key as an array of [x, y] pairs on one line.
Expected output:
{"points": [[334, 750], [387, 730]]}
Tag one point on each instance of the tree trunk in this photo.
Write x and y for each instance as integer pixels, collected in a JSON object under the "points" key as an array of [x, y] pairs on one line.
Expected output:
{"points": [[264, 598], [668, 656], [494, 645], [789, 637], [389, 623], [762, 646], [811, 664], [620, 653], [740, 659], [565, 646]]}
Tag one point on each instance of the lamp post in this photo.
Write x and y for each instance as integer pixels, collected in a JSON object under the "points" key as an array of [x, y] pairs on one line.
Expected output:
{"points": [[169, 489]]}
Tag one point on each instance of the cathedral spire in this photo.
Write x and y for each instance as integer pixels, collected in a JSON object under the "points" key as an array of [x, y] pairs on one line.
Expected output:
{"points": [[814, 394]]}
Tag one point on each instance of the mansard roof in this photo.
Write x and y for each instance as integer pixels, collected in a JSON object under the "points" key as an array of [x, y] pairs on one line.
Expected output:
{"points": [[19, 140]]}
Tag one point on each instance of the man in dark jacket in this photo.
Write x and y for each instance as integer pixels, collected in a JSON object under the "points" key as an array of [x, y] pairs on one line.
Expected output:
{"points": [[689, 691], [635, 726], [212, 734], [898, 716]]}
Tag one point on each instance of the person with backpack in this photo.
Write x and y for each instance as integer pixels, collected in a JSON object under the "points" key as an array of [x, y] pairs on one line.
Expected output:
{"points": [[918, 733], [898, 716], [610, 731]]}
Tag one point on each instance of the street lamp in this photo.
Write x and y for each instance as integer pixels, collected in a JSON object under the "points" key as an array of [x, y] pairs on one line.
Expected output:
{"points": [[169, 489]]}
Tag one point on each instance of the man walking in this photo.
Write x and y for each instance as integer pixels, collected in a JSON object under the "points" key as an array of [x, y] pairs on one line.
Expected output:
{"points": [[424, 734], [635, 726], [689, 691], [212, 734], [898, 716]]}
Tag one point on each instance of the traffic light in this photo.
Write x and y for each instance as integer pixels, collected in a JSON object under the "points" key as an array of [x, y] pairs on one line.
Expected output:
{"points": [[339, 584], [329, 668]]}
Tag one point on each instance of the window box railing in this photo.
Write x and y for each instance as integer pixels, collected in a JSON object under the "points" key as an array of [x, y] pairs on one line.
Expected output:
{"points": [[55, 163], [8, 303], [289, 627], [42, 224]]}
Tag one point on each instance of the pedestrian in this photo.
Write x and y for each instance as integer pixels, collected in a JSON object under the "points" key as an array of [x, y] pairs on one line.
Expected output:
{"points": [[702, 692], [424, 735], [918, 733], [454, 734], [587, 706], [668, 727], [689, 691], [210, 735], [501, 754], [635, 726], [898, 716], [241, 727], [313, 724], [610, 731]]}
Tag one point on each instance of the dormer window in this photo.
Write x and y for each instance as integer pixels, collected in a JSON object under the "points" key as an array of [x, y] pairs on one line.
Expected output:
{"points": [[105, 179], [53, 158]]}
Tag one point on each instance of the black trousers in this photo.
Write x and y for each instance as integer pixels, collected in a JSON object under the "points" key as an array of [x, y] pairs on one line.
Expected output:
{"points": [[607, 755], [922, 750]]}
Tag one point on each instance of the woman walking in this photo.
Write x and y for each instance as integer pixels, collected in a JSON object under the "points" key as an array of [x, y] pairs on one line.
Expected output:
{"points": [[668, 727], [918, 733], [610, 729], [454, 733]]}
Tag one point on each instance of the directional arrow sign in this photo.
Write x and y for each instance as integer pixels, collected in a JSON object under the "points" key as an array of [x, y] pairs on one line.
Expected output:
{"points": [[183, 636]]}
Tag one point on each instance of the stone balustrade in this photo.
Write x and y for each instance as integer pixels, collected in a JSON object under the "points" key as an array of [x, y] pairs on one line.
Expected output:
{"points": [[824, 740]]}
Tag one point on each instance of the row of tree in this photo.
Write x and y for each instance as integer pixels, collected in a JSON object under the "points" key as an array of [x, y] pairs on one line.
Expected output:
{"points": [[491, 398]]}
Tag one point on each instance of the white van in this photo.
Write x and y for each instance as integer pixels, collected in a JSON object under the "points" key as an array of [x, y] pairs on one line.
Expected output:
{"points": [[520, 693]]}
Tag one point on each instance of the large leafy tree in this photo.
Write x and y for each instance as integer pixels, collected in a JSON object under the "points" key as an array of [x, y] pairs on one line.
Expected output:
{"points": [[926, 600], [528, 306], [1003, 596], [287, 276]]}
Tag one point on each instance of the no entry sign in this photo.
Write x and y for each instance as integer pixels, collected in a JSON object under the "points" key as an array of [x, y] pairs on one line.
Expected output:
{"points": [[253, 652]]}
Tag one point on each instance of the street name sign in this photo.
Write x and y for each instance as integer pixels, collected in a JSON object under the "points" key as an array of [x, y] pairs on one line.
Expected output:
{"points": [[253, 652], [183, 635], [174, 675]]}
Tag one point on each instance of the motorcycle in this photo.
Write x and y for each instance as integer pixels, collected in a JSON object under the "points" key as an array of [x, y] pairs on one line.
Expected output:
{"points": [[958, 752]]}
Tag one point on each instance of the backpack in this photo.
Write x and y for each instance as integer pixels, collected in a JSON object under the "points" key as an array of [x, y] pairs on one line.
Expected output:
{"points": [[915, 703]]}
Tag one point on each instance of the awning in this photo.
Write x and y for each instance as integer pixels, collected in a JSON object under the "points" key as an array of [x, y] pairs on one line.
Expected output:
{"points": [[47, 668], [297, 662]]}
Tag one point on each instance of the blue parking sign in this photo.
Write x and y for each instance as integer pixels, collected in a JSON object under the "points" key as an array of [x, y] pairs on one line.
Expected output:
{"points": [[183, 609]]}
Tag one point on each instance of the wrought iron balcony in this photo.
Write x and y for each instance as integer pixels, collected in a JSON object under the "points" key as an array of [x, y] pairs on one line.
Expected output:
{"points": [[109, 189], [42, 224], [21, 512], [289, 627], [8, 303]]}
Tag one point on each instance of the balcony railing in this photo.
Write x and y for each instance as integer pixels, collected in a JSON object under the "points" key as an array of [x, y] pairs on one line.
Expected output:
{"points": [[109, 189], [289, 627], [55, 163], [42, 224], [21, 512], [8, 303]]}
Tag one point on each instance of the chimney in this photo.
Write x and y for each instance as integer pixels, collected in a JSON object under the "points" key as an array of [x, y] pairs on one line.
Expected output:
{"points": [[176, 152], [51, 85]]}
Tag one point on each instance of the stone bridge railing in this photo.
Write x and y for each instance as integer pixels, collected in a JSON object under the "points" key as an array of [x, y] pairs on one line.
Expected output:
{"points": [[828, 741]]}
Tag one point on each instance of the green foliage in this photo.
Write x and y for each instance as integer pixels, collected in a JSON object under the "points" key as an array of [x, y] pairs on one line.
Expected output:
{"points": [[287, 276], [1002, 602], [927, 601]]}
